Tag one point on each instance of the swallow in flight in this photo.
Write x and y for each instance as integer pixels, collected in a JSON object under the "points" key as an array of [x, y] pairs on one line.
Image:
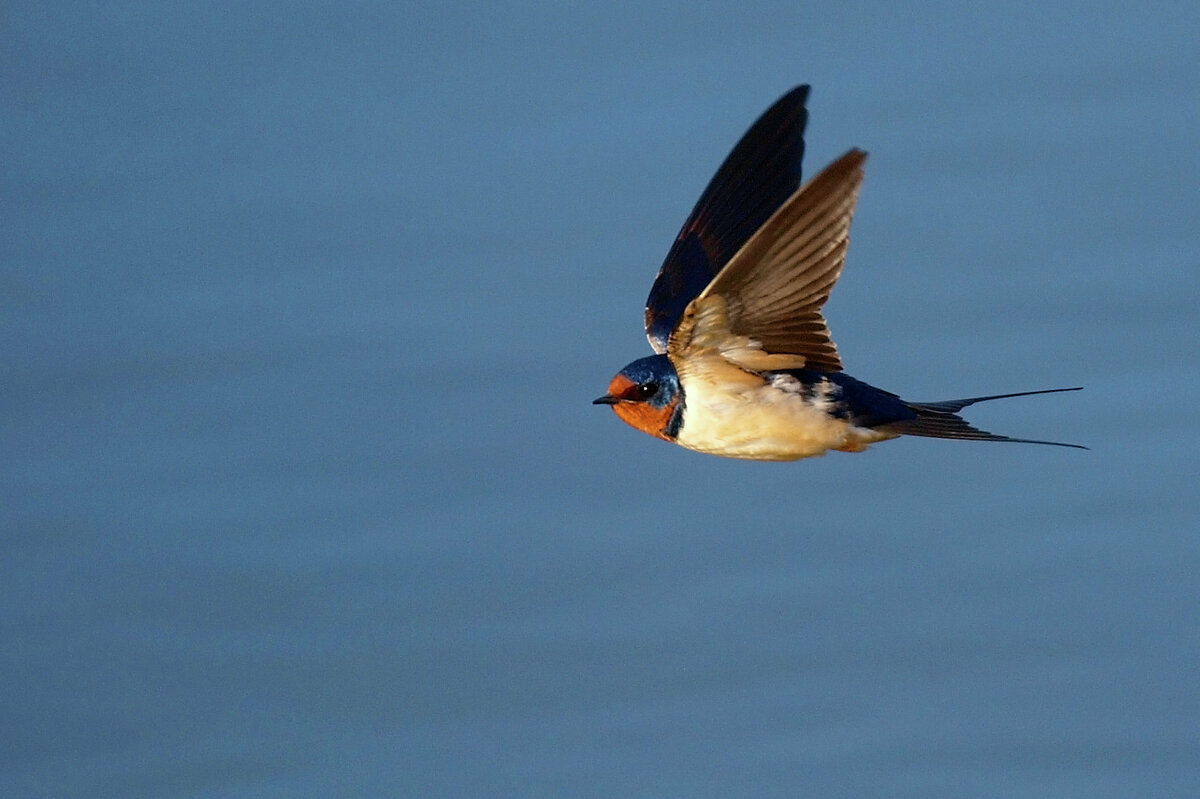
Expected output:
{"points": [[745, 365]]}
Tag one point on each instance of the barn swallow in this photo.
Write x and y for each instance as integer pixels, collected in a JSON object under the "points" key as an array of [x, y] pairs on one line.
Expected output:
{"points": [[744, 363]]}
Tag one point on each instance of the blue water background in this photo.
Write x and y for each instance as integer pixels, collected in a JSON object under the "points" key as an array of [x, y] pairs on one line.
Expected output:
{"points": [[303, 307]]}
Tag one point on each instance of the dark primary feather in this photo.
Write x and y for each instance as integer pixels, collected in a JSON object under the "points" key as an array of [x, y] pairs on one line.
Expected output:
{"points": [[757, 177]]}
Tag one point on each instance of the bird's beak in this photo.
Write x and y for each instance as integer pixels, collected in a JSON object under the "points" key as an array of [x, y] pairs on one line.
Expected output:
{"points": [[607, 399]]}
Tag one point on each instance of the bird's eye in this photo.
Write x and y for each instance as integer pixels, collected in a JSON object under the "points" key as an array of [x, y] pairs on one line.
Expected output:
{"points": [[645, 391]]}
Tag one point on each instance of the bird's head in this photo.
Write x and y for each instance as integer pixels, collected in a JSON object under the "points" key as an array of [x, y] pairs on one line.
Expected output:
{"points": [[646, 395]]}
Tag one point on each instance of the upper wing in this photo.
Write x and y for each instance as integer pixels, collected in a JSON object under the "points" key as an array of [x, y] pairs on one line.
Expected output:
{"points": [[757, 177], [763, 311]]}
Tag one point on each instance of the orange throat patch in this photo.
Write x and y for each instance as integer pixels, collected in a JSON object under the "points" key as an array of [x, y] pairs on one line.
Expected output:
{"points": [[645, 417]]}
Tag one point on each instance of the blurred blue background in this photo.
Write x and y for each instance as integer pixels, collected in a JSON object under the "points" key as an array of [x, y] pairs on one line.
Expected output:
{"points": [[303, 308]]}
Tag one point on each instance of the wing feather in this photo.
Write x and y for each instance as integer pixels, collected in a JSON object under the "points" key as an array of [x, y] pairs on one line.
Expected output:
{"points": [[771, 292], [756, 178]]}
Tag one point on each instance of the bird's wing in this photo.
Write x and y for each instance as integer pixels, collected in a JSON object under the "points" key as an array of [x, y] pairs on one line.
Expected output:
{"points": [[763, 310], [757, 177]]}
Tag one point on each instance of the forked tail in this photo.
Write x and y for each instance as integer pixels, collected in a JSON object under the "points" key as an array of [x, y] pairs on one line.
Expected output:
{"points": [[941, 420]]}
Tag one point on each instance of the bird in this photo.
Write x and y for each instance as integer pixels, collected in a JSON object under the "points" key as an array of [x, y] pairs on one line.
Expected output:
{"points": [[745, 365]]}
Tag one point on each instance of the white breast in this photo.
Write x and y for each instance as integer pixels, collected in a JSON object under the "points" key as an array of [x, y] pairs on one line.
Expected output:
{"points": [[772, 421]]}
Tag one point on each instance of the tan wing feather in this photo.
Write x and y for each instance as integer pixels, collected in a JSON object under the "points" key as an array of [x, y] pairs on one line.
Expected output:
{"points": [[763, 310]]}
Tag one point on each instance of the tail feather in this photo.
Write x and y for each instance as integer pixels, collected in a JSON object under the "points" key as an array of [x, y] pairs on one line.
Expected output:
{"points": [[941, 420]]}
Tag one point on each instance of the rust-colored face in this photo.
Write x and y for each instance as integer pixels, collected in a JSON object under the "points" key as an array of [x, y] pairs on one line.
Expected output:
{"points": [[630, 402]]}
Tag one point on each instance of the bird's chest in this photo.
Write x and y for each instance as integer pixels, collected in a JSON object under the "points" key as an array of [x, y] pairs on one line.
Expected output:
{"points": [[759, 422]]}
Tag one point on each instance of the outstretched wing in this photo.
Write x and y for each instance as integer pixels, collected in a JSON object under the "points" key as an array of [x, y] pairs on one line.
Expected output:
{"points": [[763, 310], [757, 177]]}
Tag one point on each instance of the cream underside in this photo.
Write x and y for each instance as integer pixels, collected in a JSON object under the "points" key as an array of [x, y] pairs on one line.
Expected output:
{"points": [[751, 419]]}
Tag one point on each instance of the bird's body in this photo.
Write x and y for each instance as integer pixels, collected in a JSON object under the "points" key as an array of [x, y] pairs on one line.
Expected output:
{"points": [[781, 418], [745, 364]]}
